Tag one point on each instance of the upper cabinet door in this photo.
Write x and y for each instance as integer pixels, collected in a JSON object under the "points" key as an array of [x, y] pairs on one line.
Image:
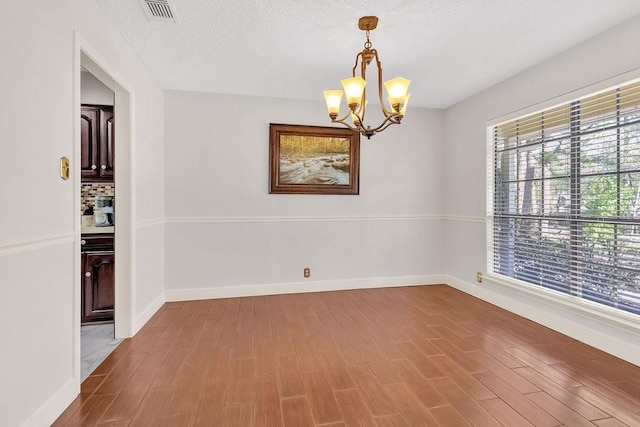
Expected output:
{"points": [[89, 135], [97, 143], [107, 145]]}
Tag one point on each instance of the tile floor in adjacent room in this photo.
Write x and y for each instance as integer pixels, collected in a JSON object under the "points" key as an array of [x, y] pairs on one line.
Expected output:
{"points": [[96, 343]]}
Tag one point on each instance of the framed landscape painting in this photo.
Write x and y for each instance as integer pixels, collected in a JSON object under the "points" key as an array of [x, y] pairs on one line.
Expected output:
{"points": [[313, 160]]}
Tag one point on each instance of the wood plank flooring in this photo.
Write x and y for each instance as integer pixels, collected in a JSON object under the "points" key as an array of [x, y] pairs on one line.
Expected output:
{"points": [[412, 356]]}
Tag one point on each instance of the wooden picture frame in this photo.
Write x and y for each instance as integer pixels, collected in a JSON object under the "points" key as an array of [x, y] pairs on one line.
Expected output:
{"points": [[313, 160]]}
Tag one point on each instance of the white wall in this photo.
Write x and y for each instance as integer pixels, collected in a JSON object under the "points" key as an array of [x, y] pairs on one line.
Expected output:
{"points": [[605, 56], [38, 221], [93, 91], [226, 235]]}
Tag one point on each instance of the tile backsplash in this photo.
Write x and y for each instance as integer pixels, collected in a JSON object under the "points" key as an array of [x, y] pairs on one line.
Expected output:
{"points": [[90, 190]]}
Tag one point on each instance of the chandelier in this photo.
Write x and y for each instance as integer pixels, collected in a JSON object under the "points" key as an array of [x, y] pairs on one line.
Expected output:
{"points": [[354, 88]]}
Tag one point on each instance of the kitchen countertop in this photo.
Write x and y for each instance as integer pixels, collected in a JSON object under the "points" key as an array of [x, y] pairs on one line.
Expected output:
{"points": [[97, 230]]}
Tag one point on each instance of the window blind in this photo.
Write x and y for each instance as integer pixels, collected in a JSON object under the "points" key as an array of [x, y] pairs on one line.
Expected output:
{"points": [[565, 198]]}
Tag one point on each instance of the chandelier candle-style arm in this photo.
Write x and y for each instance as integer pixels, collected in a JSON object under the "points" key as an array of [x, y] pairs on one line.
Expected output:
{"points": [[356, 95], [367, 131]]}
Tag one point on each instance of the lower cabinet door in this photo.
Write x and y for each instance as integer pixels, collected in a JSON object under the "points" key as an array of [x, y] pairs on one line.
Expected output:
{"points": [[98, 293]]}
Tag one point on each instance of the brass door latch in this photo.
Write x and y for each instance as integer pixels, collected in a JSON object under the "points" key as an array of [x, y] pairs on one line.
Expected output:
{"points": [[64, 168]]}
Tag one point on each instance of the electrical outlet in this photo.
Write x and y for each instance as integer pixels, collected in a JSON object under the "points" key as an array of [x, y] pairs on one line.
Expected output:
{"points": [[479, 277], [306, 272]]}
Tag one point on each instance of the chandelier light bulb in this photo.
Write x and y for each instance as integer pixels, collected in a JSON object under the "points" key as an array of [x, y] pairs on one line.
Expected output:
{"points": [[397, 90], [353, 90], [399, 107], [333, 99]]}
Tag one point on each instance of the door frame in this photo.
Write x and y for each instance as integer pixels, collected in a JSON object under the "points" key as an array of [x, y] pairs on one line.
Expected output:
{"points": [[86, 56]]}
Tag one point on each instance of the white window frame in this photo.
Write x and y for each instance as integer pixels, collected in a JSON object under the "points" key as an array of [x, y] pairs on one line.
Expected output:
{"points": [[612, 316]]}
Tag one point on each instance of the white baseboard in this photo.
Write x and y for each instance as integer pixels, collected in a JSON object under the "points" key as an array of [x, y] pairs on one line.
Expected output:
{"points": [[583, 326], [148, 312], [300, 287], [52, 408]]}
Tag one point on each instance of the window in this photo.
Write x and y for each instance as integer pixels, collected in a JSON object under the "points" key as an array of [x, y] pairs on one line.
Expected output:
{"points": [[564, 198]]}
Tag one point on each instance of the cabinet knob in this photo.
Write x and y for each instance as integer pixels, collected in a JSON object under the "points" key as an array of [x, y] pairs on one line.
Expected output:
{"points": [[94, 167], [83, 242], [104, 167], [87, 274]]}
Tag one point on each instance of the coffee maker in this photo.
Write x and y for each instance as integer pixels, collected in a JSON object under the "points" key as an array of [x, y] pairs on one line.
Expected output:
{"points": [[103, 211]]}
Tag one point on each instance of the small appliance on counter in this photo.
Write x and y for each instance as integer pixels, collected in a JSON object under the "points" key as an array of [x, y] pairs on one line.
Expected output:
{"points": [[103, 212], [87, 217]]}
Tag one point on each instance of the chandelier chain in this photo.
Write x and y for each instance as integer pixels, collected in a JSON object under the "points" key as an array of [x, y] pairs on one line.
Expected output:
{"points": [[367, 44]]}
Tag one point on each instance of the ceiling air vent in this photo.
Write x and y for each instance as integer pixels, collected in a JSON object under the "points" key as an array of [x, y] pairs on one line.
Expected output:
{"points": [[158, 10]]}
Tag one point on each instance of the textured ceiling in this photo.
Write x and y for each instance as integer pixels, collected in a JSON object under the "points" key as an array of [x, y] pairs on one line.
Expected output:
{"points": [[450, 49]]}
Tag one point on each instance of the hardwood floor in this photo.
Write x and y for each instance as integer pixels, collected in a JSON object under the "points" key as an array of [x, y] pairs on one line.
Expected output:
{"points": [[413, 356]]}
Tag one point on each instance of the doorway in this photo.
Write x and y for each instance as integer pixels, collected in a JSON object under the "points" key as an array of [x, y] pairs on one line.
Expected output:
{"points": [[90, 61], [97, 273]]}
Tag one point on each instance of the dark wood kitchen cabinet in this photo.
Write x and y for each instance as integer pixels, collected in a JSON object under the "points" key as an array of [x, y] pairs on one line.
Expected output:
{"points": [[97, 143], [98, 278]]}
